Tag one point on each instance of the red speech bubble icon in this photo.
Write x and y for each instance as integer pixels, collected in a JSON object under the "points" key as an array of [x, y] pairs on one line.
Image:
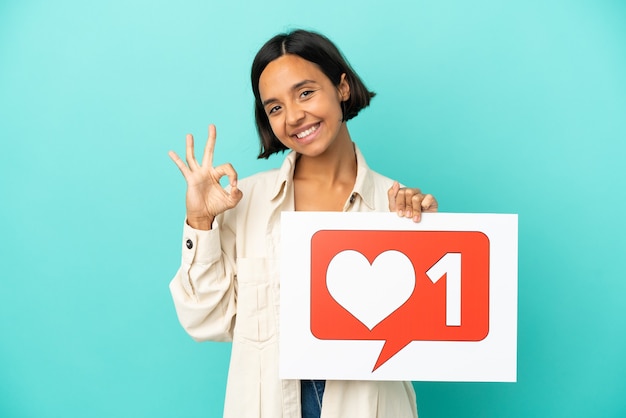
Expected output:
{"points": [[399, 286]]}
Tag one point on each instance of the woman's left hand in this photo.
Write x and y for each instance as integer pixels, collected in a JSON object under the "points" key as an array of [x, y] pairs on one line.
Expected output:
{"points": [[410, 203]]}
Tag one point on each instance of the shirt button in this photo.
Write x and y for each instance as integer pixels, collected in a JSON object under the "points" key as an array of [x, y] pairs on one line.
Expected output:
{"points": [[352, 197], [189, 244]]}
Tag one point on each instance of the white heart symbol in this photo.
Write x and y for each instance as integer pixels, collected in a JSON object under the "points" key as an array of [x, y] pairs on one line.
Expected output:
{"points": [[370, 292]]}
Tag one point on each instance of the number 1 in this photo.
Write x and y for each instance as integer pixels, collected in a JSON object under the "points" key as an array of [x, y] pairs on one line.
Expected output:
{"points": [[450, 266]]}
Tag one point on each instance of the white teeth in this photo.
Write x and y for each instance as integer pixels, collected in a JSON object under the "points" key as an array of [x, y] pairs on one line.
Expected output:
{"points": [[307, 132]]}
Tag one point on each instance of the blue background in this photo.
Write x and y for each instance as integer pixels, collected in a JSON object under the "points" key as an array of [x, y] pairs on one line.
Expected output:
{"points": [[513, 107]]}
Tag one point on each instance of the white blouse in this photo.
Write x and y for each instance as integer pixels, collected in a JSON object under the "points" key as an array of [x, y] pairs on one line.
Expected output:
{"points": [[227, 289]]}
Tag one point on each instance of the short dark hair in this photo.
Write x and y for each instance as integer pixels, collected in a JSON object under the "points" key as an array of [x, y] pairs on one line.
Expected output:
{"points": [[319, 50]]}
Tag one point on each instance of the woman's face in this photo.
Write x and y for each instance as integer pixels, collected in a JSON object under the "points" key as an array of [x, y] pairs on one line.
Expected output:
{"points": [[302, 105]]}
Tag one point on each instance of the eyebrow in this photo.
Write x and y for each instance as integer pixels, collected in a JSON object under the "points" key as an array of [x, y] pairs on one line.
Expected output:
{"points": [[294, 87]]}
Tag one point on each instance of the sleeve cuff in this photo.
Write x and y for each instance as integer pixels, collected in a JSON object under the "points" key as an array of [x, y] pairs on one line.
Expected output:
{"points": [[201, 246]]}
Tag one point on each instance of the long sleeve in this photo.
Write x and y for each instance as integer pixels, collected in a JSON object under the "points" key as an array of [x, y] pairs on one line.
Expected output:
{"points": [[204, 287], [228, 288]]}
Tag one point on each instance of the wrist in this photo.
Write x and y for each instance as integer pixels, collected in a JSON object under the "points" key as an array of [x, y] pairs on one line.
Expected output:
{"points": [[204, 223]]}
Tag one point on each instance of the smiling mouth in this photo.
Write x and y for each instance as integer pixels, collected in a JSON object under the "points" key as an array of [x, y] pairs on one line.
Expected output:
{"points": [[308, 132]]}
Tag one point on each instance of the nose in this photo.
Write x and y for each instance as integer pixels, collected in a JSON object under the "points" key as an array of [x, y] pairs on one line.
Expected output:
{"points": [[295, 114]]}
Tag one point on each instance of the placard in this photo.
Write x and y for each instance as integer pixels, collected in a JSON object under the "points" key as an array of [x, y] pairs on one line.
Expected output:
{"points": [[371, 296]]}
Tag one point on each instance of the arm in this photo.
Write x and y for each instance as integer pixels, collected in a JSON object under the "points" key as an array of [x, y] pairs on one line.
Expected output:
{"points": [[203, 289], [204, 286]]}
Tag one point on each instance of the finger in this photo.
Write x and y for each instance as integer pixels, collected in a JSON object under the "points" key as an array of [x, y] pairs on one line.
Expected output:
{"points": [[190, 156], [235, 195], [207, 158], [391, 194], [179, 163], [410, 196], [407, 202], [229, 171], [401, 201], [416, 205], [429, 204]]}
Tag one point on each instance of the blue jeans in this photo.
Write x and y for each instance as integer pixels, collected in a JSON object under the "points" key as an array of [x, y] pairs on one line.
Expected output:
{"points": [[312, 392]]}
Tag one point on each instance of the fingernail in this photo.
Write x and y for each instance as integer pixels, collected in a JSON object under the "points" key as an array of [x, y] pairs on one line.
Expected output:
{"points": [[400, 213], [408, 213]]}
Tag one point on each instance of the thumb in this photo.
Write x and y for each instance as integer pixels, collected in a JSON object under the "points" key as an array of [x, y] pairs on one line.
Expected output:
{"points": [[391, 194], [235, 194]]}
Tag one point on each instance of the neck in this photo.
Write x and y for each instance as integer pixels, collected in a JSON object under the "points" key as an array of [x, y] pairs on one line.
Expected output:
{"points": [[336, 165]]}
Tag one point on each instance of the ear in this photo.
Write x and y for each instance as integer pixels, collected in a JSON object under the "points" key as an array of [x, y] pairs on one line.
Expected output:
{"points": [[343, 88]]}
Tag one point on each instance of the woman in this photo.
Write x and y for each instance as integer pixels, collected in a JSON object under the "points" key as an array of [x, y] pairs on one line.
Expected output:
{"points": [[227, 288]]}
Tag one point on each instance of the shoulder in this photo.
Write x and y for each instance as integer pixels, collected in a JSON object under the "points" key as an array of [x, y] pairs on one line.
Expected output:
{"points": [[270, 181], [377, 181], [258, 191], [371, 177], [380, 180], [260, 187], [264, 180]]}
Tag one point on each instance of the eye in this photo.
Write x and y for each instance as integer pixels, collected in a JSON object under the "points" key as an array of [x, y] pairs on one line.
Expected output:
{"points": [[306, 93], [273, 109]]}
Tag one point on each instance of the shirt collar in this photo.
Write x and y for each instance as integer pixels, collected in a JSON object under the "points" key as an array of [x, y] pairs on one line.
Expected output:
{"points": [[285, 175], [363, 186]]}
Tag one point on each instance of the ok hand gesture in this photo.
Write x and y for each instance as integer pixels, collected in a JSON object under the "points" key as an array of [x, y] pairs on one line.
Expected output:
{"points": [[206, 198]]}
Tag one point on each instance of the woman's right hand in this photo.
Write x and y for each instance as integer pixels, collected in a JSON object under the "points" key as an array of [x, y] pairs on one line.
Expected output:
{"points": [[206, 198]]}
